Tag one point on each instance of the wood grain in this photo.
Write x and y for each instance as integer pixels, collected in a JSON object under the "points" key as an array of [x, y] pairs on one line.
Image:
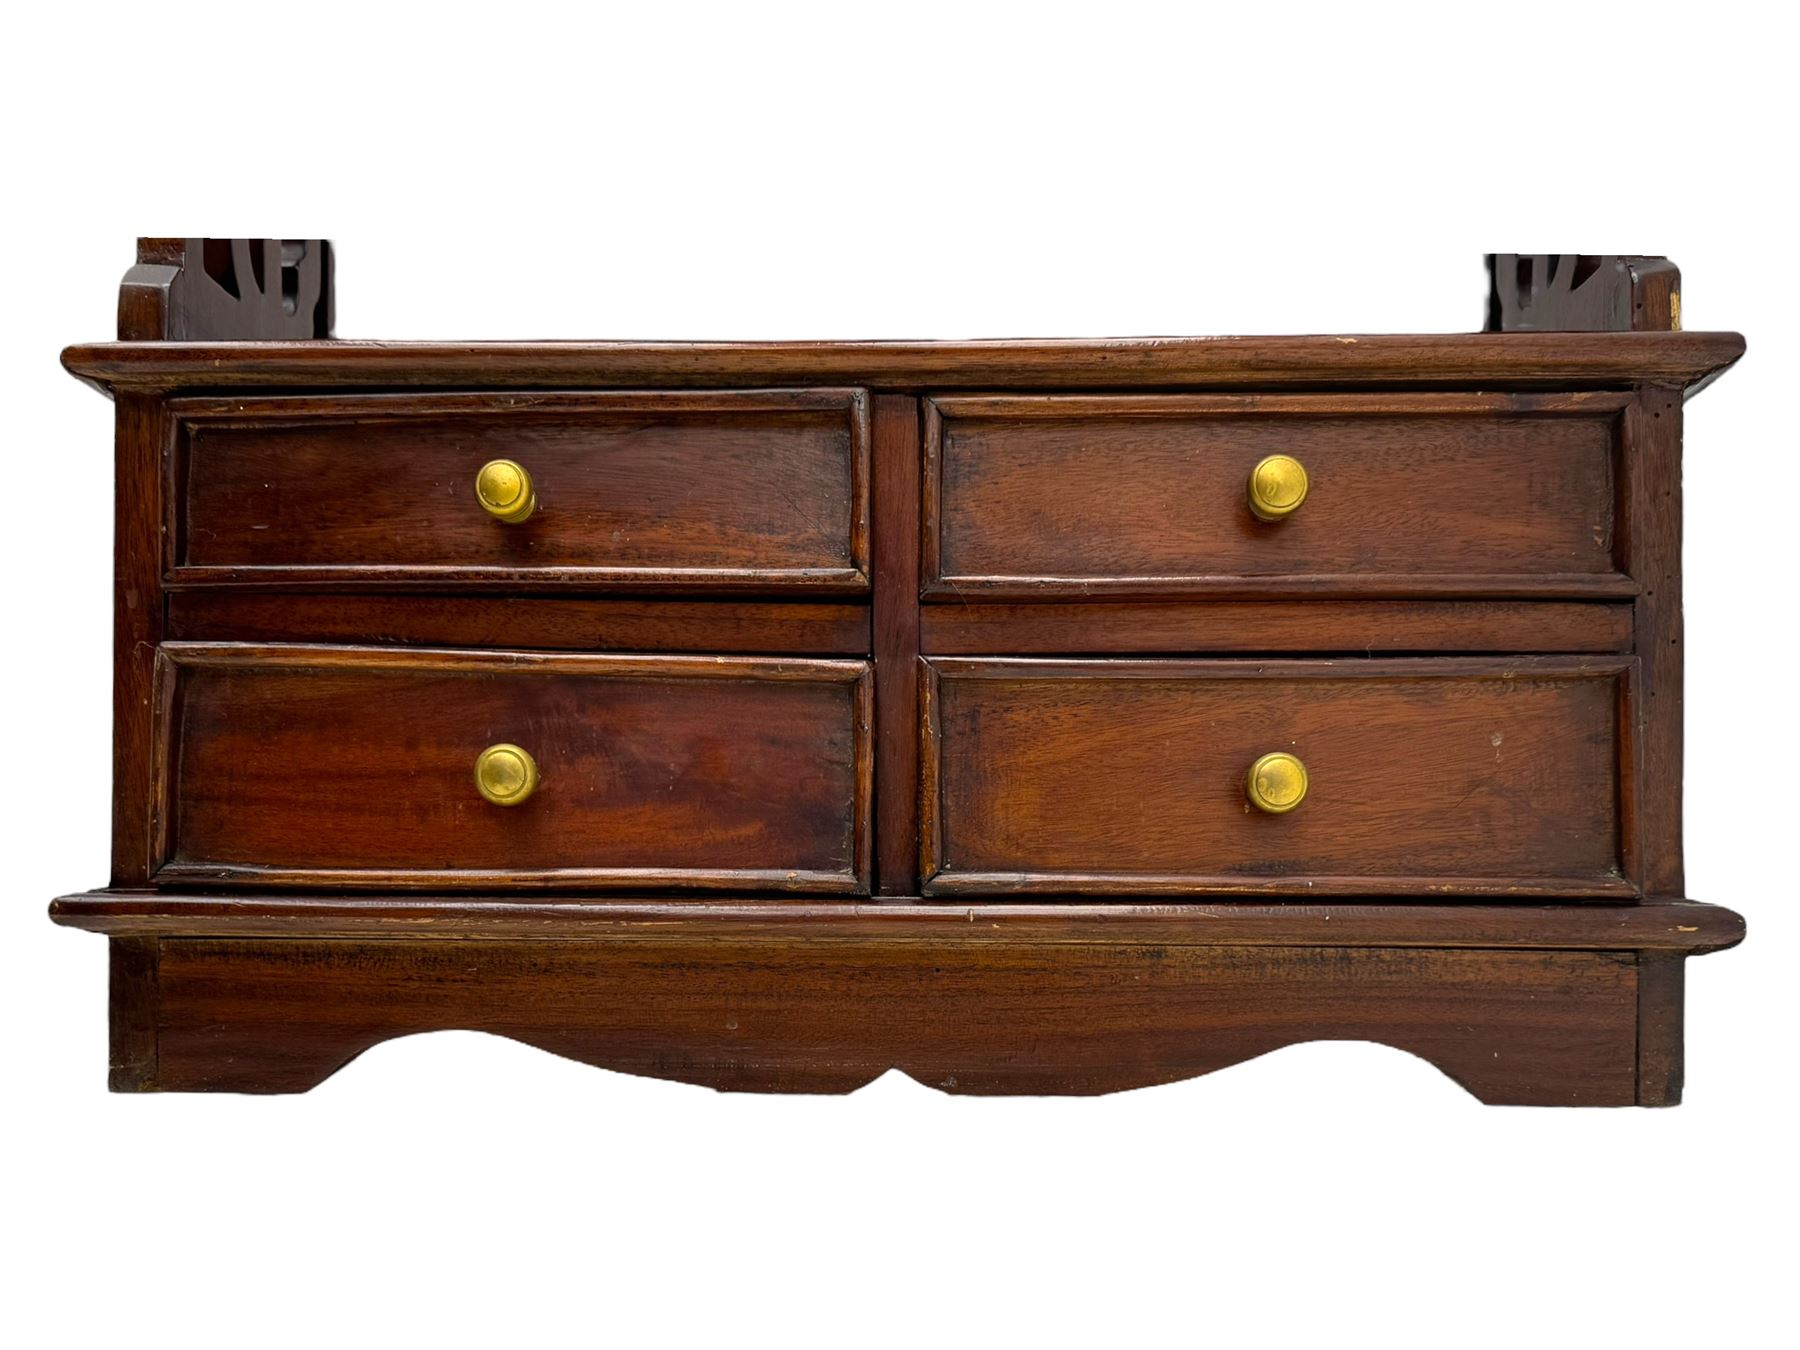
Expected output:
{"points": [[1520, 1027], [354, 767], [132, 1014], [1652, 545], [1455, 360], [1662, 992], [663, 624], [1683, 927], [726, 491], [1430, 777], [139, 438], [896, 631], [718, 879], [1253, 626], [1145, 495]]}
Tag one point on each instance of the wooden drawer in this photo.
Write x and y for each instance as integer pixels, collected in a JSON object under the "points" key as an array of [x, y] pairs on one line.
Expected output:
{"points": [[344, 766], [738, 492], [1146, 496], [1501, 777]]}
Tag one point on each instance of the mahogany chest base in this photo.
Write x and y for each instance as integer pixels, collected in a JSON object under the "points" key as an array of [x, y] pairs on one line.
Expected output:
{"points": [[1521, 1004]]}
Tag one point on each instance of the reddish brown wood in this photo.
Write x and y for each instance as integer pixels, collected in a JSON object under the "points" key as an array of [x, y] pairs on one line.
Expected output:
{"points": [[354, 767], [1481, 494], [662, 624], [1429, 777], [132, 1012], [896, 625], [1682, 927], [1518, 1027], [140, 433], [1662, 980], [1455, 360], [739, 491], [1651, 492], [212, 289], [284, 989], [306, 869], [1351, 626]]}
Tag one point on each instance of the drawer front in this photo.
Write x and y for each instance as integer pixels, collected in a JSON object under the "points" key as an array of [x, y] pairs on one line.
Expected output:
{"points": [[357, 767], [1409, 495], [728, 491], [1429, 777]]}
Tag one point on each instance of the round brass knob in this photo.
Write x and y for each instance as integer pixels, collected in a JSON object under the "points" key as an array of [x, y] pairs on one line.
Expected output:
{"points": [[506, 491], [505, 775], [1277, 487], [1276, 783]]}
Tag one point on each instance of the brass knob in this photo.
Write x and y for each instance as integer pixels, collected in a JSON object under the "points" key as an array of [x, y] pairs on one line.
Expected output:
{"points": [[1276, 783], [505, 775], [1277, 487], [506, 491]]}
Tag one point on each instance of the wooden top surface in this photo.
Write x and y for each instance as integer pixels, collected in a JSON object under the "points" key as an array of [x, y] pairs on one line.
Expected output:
{"points": [[1469, 360]]}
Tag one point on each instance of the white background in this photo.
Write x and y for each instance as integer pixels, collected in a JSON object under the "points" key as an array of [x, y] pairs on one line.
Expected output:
{"points": [[918, 171]]}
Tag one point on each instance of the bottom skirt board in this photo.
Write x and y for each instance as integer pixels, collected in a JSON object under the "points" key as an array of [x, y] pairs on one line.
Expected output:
{"points": [[1521, 1004]]}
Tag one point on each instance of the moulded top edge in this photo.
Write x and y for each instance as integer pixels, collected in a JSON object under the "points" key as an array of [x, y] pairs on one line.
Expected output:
{"points": [[1466, 360]]}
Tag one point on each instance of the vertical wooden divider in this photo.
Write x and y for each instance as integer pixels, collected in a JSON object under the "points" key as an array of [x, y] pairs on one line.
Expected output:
{"points": [[895, 469]]}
